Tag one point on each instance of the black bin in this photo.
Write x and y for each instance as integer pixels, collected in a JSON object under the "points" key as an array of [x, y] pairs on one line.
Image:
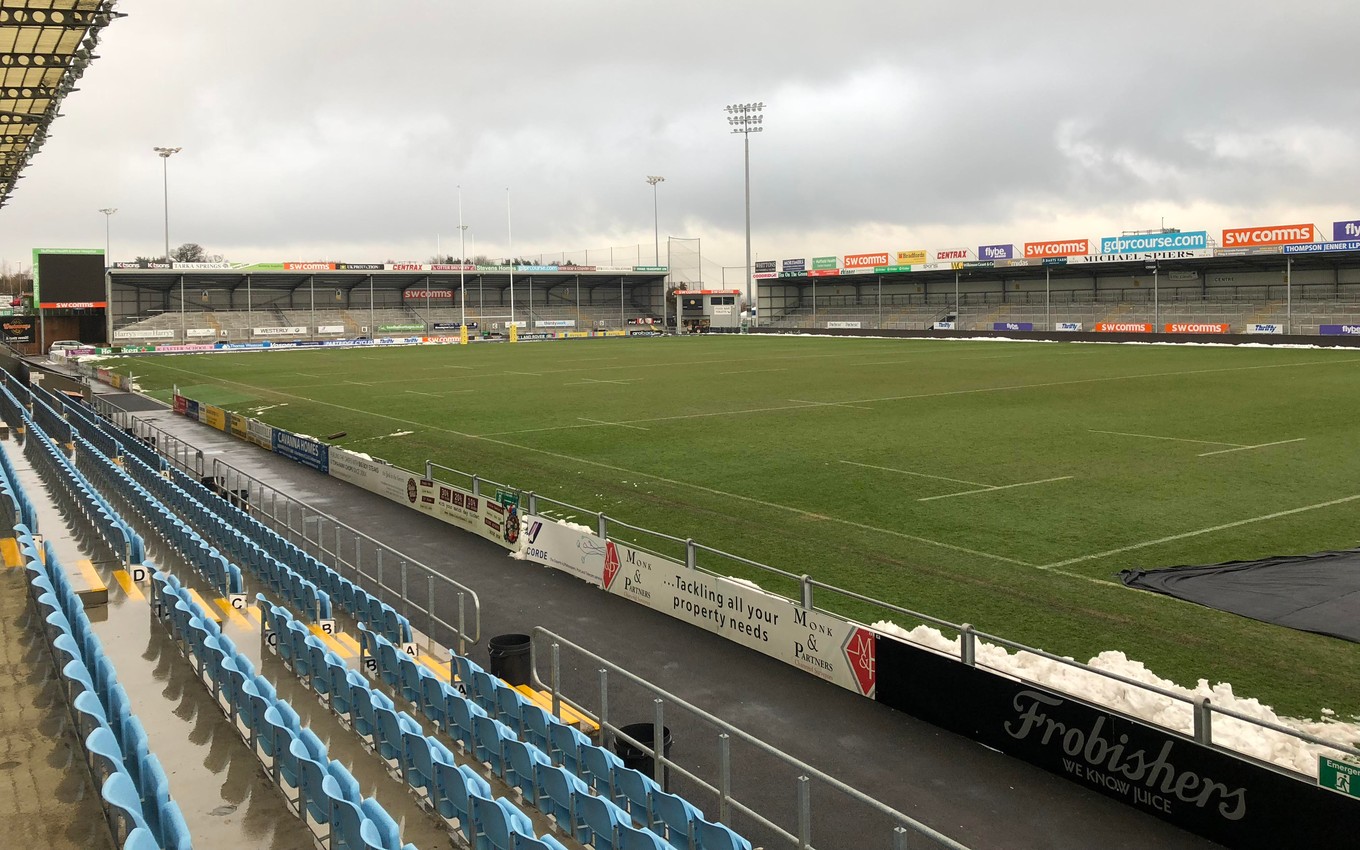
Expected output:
{"points": [[510, 658], [645, 734]]}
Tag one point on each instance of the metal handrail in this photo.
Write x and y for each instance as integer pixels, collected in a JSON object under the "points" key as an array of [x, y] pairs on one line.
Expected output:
{"points": [[727, 803]]}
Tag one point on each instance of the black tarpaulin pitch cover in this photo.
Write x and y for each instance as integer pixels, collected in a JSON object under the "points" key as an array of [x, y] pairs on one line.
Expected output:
{"points": [[1313, 593]]}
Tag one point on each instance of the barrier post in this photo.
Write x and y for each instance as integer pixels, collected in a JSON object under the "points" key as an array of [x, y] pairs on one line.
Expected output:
{"points": [[899, 838], [380, 580], [429, 470], [967, 645], [604, 703], [1204, 725], [557, 680], [724, 777], [462, 625], [805, 584], [404, 599], [476, 486], [804, 813], [533, 503], [602, 526], [429, 609], [691, 556], [659, 742]]}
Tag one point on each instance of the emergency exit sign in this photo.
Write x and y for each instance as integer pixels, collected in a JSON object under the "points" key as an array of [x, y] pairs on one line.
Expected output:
{"points": [[1339, 776]]}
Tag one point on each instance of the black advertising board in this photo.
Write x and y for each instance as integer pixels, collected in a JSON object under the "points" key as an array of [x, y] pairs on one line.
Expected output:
{"points": [[17, 330], [1198, 788]]}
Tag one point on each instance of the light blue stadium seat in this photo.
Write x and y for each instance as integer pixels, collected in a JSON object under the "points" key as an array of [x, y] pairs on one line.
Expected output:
{"points": [[380, 824], [566, 742], [174, 831], [388, 741], [345, 817], [557, 793], [124, 806], [312, 774], [603, 819], [535, 723], [389, 662], [633, 838], [461, 713], [338, 689], [409, 673], [675, 817], [520, 761], [488, 737], [510, 705], [495, 821], [363, 711], [483, 690], [633, 791], [279, 729], [717, 836], [316, 662], [597, 769], [433, 702], [546, 842], [299, 655], [141, 839], [105, 756]]}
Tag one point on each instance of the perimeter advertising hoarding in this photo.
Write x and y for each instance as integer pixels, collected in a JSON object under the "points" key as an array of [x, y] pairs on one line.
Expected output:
{"points": [[910, 258], [1012, 326], [299, 449], [1265, 329], [291, 330], [1058, 248], [1124, 327], [1180, 328], [445, 502], [824, 263], [765, 266], [1067, 326], [1142, 243], [795, 266], [830, 648], [1339, 330], [1195, 787], [17, 330], [949, 255], [996, 252], [1277, 234], [865, 261]]}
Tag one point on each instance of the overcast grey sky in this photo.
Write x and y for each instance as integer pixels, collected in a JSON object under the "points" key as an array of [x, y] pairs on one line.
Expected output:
{"points": [[339, 130]]}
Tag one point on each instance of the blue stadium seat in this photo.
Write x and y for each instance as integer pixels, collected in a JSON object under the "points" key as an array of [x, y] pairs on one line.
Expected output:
{"points": [[675, 817], [174, 831], [483, 690], [557, 793], [124, 806], [566, 742], [409, 672], [510, 706], [379, 825], [547, 842], [495, 821], [601, 819], [633, 791], [338, 688], [433, 702], [312, 774], [535, 725], [461, 713], [717, 836], [597, 769], [345, 817], [488, 737], [520, 761], [140, 839], [105, 756], [632, 838]]}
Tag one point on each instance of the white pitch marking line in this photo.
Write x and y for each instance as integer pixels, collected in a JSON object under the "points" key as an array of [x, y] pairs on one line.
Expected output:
{"points": [[602, 381], [827, 404], [1258, 446], [531, 374], [418, 392], [920, 474], [990, 489], [308, 375], [359, 383], [1224, 527], [616, 424], [1176, 439], [752, 371]]}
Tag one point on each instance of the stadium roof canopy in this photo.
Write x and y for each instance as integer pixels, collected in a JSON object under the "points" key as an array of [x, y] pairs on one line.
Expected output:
{"points": [[45, 46]]}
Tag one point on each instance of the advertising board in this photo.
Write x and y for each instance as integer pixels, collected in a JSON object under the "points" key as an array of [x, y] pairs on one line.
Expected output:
{"points": [[1277, 234], [1012, 326], [1124, 327], [1202, 328], [1058, 248]]}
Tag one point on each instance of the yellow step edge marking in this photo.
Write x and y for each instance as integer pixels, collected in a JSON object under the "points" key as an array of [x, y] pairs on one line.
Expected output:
{"points": [[86, 568], [208, 610], [544, 701], [432, 664], [9, 549], [125, 581], [336, 646], [233, 616], [350, 643]]}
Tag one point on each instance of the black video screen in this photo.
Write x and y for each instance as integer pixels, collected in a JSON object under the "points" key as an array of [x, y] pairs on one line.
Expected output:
{"points": [[70, 277]]}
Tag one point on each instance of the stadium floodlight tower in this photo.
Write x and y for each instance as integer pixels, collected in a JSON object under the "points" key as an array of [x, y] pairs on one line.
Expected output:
{"points": [[652, 180], [108, 214], [165, 154], [745, 119]]}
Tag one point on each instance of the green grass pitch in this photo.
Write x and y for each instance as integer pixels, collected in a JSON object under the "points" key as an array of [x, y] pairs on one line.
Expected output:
{"points": [[1001, 484]]}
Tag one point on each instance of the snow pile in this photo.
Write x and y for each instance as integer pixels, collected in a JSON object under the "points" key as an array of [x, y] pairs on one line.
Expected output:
{"points": [[1176, 714]]}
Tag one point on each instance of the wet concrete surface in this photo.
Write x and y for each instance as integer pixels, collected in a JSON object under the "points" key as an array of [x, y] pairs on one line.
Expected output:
{"points": [[977, 796]]}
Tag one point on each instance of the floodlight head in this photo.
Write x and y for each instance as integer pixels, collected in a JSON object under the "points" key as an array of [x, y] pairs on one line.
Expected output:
{"points": [[654, 179], [109, 210], [166, 153]]}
